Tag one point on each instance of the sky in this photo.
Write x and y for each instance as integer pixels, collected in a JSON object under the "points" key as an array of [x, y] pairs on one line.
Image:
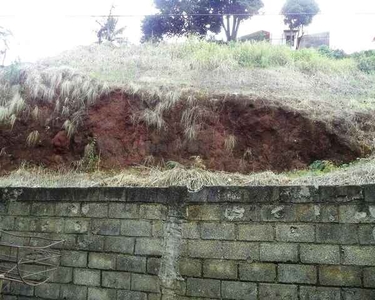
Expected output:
{"points": [[43, 28]]}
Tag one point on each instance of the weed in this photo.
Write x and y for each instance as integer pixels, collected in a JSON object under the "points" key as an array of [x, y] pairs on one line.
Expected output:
{"points": [[70, 128], [91, 160], [33, 139], [152, 118], [230, 143]]}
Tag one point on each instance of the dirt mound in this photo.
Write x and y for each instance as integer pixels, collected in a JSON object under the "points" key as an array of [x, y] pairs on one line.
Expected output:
{"points": [[231, 134]]}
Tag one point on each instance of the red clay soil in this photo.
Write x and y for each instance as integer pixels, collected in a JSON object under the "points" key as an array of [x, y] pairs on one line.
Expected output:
{"points": [[267, 137]]}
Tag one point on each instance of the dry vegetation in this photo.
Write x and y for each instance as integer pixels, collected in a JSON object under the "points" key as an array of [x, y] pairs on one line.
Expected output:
{"points": [[327, 89], [163, 74], [194, 177]]}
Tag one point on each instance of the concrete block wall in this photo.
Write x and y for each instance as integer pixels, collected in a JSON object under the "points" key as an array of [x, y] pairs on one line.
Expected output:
{"points": [[305, 243]]}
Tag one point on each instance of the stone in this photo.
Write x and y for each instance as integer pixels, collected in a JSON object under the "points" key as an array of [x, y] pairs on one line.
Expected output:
{"points": [[359, 256], [101, 294], [278, 252], [241, 250], [145, 283], [340, 276], [358, 294], [128, 263], [369, 277], [76, 226], [190, 230], [220, 269], [190, 267], [116, 280], [206, 212], [367, 234], [153, 265], [153, 211], [131, 295], [43, 209], [123, 211], [319, 293], [205, 249], [86, 277], [102, 261], [119, 244], [208, 288], [261, 272], [297, 273], [95, 210], [336, 233], [256, 232], [91, 242], [48, 291], [19, 208], [279, 213], [149, 246], [73, 292], [135, 228], [320, 254], [62, 275], [278, 291], [105, 227], [239, 290], [74, 259], [295, 233], [68, 209], [220, 231]]}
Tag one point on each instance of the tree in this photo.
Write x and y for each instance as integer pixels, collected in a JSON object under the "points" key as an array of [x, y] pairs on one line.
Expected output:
{"points": [[4, 47], [184, 17], [299, 13], [108, 29]]}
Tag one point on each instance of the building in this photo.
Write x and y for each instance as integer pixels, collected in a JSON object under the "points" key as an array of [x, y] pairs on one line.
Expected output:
{"points": [[290, 37], [257, 36]]}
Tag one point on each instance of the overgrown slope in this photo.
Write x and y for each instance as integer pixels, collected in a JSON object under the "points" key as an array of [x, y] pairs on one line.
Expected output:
{"points": [[239, 107]]}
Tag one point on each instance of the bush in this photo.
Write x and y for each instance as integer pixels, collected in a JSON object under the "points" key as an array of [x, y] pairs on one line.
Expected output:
{"points": [[365, 61], [332, 53]]}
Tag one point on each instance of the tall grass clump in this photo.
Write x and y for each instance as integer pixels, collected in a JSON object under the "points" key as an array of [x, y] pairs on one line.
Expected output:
{"points": [[261, 55], [23, 88], [365, 61], [312, 61]]}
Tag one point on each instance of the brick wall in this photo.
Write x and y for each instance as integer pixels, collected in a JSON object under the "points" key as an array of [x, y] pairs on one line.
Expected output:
{"points": [[259, 243]]}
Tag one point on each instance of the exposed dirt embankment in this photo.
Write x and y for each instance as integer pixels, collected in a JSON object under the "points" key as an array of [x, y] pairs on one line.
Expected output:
{"points": [[233, 134]]}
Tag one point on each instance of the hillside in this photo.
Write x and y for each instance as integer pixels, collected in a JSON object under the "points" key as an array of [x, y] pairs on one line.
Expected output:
{"points": [[237, 108]]}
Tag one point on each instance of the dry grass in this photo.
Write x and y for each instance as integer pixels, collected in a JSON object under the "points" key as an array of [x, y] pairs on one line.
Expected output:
{"points": [[23, 88], [361, 172], [162, 75], [230, 143], [33, 139], [325, 88]]}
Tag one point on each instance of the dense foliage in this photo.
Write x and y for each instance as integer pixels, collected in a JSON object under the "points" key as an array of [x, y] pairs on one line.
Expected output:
{"points": [[198, 17]]}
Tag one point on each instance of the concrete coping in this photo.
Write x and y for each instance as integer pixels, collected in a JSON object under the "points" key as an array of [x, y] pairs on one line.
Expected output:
{"points": [[214, 194]]}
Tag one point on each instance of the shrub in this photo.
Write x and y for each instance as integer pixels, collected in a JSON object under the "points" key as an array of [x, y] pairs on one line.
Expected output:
{"points": [[332, 53], [365, 61]]}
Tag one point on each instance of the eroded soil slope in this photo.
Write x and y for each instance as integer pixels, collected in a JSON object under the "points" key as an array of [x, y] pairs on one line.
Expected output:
{"points": [[231, 134]]}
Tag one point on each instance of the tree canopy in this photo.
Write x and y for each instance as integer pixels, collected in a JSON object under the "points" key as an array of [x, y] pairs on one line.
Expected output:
{"points": [[108, 29], [299, 13], [184, 17], [4, 36]]}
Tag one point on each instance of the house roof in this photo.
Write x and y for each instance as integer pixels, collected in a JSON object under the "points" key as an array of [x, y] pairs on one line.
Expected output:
{"points": [[255, 35]]}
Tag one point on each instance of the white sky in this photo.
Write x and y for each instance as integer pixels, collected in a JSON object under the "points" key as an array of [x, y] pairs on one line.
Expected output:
{"points": [[47, 27]]}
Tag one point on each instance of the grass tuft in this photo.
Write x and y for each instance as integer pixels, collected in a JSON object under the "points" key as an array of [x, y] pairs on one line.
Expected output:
{"points": [[33, 139]]}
